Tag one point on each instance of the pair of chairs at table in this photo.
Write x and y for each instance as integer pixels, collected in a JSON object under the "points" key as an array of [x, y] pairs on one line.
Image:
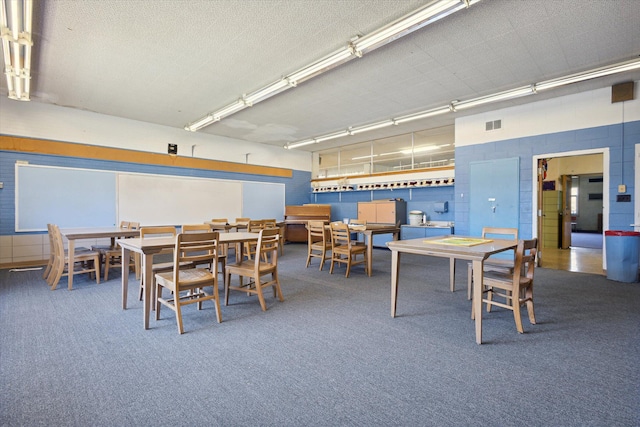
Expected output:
{"points": [[337, 239], [510, 279]]}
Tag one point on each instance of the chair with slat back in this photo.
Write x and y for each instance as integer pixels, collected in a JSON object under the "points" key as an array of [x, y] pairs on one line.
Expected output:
{"points": [[272, 223], [85, 261], [256, 269], [112, 256], [319, 242], [254, 226], [157, 267], [343, 249], [516, 288], [187, 286], [503, 265], [220, 220], [202, 228], [356, 221]]}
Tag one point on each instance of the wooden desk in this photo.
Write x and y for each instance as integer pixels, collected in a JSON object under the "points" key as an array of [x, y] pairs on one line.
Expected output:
{"points": [[228, 226], [73, 234], [476, 254], [152, 245]]}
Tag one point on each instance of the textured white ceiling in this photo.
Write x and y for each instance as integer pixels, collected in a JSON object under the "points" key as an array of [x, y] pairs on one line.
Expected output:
{"points": [[171, 62]]}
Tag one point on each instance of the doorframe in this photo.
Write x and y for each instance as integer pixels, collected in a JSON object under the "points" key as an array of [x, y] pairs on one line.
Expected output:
{"points": [[605, 189]]}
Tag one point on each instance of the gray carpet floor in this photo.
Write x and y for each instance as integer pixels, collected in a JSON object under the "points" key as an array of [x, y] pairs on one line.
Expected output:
{"points": [[329, 355]]}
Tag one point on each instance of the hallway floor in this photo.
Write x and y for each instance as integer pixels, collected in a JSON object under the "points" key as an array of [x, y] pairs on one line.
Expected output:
{"points": [[582, 260]]}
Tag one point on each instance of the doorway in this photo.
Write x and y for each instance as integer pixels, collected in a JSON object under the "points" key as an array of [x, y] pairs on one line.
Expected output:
{"points": [[556, 218]]}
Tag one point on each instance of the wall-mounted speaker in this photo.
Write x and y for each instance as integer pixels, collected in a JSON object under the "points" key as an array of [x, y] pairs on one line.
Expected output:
{"points": [[622, 92], [173, 149]]}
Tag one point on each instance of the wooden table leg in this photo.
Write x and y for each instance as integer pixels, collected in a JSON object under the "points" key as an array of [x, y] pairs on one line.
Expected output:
{"points": [[395, 272], [452, 274], [147, 265], [72, 254], [125, 277], [369, 238], [478, 267]]}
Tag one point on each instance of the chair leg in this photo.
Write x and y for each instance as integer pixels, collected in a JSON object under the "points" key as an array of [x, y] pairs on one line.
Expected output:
{"points": [[227, 279], [176, 304], [216, 303], [263, 304], [516, 315], [156, 300], [529, 302]]}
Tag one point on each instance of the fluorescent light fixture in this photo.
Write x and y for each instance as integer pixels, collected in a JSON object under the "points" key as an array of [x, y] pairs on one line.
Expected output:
{"points": [[413, 21], [422, 115], [199, 124], [367, 128], [266, 92], [16, 46], [229, 109], [300, 144], [332, 136], [320, 66], [500, 96], [587, 75]]}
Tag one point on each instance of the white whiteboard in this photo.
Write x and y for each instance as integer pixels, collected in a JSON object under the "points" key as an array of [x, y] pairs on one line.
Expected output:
{"points": [[172, 200], [73, 197]]}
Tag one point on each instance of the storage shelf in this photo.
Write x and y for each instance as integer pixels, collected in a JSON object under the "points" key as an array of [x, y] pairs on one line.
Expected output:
{"points": [[423, 183]]}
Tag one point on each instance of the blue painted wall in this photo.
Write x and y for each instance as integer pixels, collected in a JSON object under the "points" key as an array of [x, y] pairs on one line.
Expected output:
{"points": [[296, 188], [621, 168]]}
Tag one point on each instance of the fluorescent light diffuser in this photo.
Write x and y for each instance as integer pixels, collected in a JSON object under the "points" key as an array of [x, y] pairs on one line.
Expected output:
{"points": [[422, 115], [229, 109], [300, 144], [266, 92], [199, 124], [430, 13], [332, 136], [500, 96], [16, 46], [367, 128], [320, 66], [587, 75]]}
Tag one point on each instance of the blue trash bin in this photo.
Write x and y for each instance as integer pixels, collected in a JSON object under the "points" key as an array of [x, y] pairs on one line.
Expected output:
{"points": [[623, 255]]}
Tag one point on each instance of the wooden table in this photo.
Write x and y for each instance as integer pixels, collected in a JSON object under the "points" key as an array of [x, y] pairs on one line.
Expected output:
{"points": [[152, 245], [219, 226], [369, 230], [73, 234], [429, 246]]}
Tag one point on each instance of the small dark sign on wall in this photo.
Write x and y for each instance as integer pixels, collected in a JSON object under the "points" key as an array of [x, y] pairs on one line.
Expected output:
{"points": [[173, 149], [623, 198]]}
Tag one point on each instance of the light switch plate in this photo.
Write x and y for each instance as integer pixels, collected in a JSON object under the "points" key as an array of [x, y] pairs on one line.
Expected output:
{"points": [[622, 188]]}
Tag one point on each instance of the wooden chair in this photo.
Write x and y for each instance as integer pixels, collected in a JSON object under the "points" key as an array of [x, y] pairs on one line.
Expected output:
{"points": [[52, 256], [254, 226], [85, 261], [220, 220], [112, 255], [160, 267], [357, 240], [502, 265], [272, 223], [319, 242], [202, 228], [267, 248], [344, 250], [515, 288], [195, 249]]}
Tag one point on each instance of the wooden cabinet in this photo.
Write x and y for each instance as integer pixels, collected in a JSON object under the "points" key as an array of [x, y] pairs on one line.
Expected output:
{"points": [[296, 217], [383, 211]]}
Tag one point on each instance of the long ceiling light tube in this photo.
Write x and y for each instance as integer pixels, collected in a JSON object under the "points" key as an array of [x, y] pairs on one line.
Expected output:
{"points": [[500, 96], [367, 128], [429, 13], [587, 75], [453, 106], [200, 123], [15, 31], [320, 66], [422, 115], [300, 144], [413, 21], [266, 92]]}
